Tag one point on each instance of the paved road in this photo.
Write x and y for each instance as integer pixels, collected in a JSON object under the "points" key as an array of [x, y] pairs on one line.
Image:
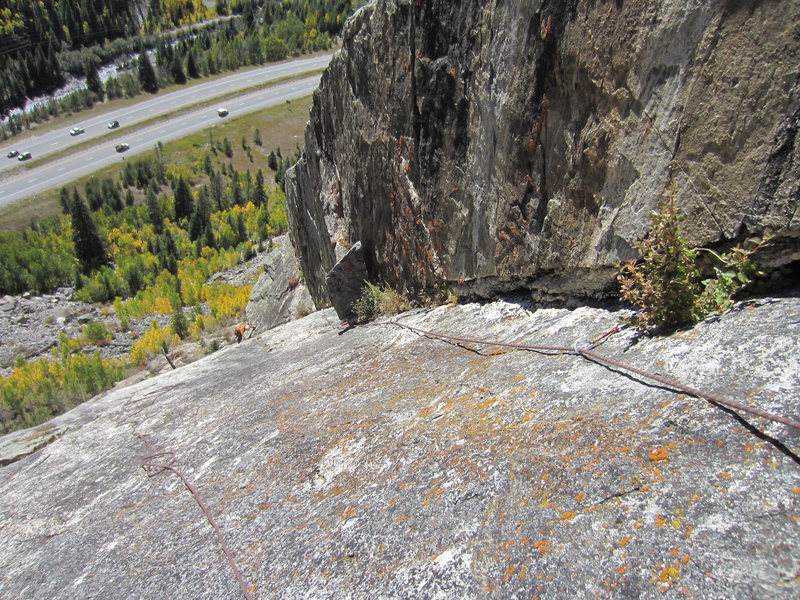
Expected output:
{"points": [[58, 172]]}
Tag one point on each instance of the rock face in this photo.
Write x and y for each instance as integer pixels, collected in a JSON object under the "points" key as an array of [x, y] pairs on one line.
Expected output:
{"points": [[385, 464], [279, 295], [501, 145], [346, 280]]}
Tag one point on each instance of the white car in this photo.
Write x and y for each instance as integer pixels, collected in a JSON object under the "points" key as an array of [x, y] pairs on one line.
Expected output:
{"points": [[113, 124], [24, 156], [222, 112], [76, 131], [121, 147]]}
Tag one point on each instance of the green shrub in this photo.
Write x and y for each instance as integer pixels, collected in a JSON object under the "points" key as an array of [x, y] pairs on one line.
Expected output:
{"points": [[663, 282], [96, 331], [735, 273], [378, 300], [667, 282]]}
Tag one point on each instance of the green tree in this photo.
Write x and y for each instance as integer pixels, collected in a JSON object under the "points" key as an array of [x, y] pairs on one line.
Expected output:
{"points": [[201, 218], [216, 191], [179, 325], [176, 70], [64, 199], [88, 246], [93, 80], [184, 203], [291, 31], [167, 252], [147, 75], [191, 65], [154, 210], [235, 189], [259, 195], [275, 49]]}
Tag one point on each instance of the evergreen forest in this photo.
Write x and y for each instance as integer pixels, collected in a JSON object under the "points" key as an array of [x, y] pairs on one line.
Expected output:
{"points": [[43, 44], [146, 242]]}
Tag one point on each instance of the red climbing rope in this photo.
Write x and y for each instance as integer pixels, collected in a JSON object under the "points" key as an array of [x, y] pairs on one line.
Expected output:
{"points": [[589, 354], [153, 467], [690, 390]]}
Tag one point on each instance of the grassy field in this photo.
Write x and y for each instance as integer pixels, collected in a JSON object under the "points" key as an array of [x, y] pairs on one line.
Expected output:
{"points": [[280, 126]]}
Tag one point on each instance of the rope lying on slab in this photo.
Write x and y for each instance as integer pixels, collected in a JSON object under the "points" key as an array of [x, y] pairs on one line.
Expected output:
{"points": [[588, 353], [155, 463]]}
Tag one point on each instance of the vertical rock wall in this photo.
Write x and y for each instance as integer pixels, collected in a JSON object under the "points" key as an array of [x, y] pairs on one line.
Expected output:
{"points": [[497, 145]]}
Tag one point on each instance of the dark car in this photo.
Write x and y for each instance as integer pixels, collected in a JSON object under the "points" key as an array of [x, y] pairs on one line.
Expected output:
{"points": [[113, 124], [12, 153], [24, 156], [122, 147]]}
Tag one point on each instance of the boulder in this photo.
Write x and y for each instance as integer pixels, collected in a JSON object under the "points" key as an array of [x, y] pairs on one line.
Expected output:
{"points": [[7, 304], [524, 145], [346, 280], [279, 295]]}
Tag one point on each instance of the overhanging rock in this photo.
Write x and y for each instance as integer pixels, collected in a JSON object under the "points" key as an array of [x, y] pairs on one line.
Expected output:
{"points": [[346, 280]]}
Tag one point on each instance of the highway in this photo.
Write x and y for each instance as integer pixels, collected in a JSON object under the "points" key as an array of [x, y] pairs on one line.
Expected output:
{"points": [[28, 182]]}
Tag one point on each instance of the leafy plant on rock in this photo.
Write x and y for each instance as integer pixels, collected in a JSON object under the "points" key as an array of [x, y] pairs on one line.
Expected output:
{"points": [[663, 282], [735, 272], [376, 300], [667, 283]]}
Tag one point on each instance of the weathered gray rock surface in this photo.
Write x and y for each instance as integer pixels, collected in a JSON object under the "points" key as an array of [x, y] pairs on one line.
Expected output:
{"points": [[279, 295], [511, 145], [377, 463], [346, 280]]}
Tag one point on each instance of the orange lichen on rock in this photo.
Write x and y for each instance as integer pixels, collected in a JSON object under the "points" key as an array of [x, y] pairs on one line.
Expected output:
{"points": [[658, 454], [543, 546]]}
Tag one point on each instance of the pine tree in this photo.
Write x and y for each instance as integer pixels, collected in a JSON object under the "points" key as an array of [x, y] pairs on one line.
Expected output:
{"points": [[147, 75], [176, 70], [184, 203], [88, 246], [64, 200], [201, 218], [93, 80], [191, 65], [259, 195], [154, 211], [216, 191], [179, 325], [241, 229], [248, 187], [167, 252], [235, 189]]}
